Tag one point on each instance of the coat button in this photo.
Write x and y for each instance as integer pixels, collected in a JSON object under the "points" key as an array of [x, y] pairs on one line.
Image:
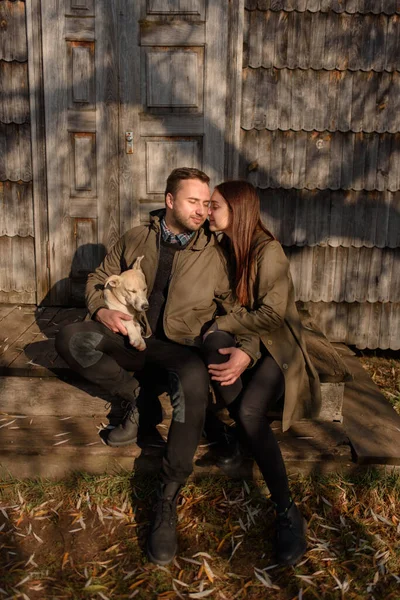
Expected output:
{"points": [[258, 355], [269, 342], [285, 366]]}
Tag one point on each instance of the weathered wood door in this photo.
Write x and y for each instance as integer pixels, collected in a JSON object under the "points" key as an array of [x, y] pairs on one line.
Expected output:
{"points": [[155, 68], [173, 95]]}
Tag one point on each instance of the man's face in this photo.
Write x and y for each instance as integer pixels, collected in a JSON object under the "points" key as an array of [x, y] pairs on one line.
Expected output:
{"points": [[187, 209]]}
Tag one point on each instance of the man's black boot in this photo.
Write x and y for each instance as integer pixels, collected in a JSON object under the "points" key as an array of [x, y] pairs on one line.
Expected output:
{"points": [[126, 433], [162, 541], [291, 541]]}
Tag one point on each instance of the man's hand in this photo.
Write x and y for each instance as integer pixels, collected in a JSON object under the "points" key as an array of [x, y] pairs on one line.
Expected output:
{"points": [[113, 319], [227, 373]]}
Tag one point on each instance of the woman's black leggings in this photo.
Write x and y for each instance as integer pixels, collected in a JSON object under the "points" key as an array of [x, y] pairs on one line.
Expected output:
{"points": [[248, 402]]}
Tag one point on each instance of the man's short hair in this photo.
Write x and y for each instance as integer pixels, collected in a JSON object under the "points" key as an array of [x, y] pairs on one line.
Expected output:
{"points": [[178, 175]]}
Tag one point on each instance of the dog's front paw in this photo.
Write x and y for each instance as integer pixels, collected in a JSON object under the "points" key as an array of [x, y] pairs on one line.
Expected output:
{"points": [[138, 344]]}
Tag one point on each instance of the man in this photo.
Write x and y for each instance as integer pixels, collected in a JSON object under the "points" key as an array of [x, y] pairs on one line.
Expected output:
{"points": [[187, 284]]}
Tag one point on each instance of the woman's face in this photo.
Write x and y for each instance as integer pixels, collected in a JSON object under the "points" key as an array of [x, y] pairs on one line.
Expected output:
{"points": [[219, 214]]}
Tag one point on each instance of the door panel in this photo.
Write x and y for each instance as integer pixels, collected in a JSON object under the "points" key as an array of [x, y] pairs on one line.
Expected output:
{"points": [[178, 114], [81, 115]]}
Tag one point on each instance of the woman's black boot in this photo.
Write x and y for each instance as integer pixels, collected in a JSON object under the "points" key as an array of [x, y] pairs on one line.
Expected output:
{"points": [[162, 542], [291, 541]]}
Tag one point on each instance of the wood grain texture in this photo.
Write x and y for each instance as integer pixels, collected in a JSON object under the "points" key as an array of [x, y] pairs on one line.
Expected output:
{"points": [[363, 325], [338, 274], [334, 218], [338, 41], [15, 152], [215, 91], [234, 89], [31, 445], [107, 97], [56, 82], [175, 33], [13, 43], [16, 209], [18, 277], [321, 100], [370, 421], [372, 161], [14, 92], [129, 120], [388, 7], [39, 178]]}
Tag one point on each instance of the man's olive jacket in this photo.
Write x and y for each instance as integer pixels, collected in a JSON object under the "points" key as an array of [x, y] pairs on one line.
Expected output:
{"points": [[199, 286]]}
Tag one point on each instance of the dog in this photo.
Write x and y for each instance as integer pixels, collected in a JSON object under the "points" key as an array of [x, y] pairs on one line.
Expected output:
{"points": [[127, 293]]}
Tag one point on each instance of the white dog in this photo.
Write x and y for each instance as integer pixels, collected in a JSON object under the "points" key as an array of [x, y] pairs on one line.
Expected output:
{"points": [[127, 293]]}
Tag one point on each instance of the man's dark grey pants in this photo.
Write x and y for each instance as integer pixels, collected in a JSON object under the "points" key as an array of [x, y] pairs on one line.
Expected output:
{"points": [[107, 359]]}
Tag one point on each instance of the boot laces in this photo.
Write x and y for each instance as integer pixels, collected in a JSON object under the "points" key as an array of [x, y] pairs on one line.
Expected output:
{"points": [[165, 512], [129, 412]]}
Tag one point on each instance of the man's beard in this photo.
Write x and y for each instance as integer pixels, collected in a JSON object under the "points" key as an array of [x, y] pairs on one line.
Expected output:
{"points": [[185, 223]]}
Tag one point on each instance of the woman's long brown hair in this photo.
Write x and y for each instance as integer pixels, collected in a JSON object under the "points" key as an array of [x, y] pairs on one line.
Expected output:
{"points": [[244, 206]]}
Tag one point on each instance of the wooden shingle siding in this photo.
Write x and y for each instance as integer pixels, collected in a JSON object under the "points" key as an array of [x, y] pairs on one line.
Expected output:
{"points": [[321, 160], [334, 218], [15, 152], [321, 40], [17, 253], [388, 7], [16, 214], [327, 274], [14, 92], [13, 44], [17, 250], [320, 139], [335, 100], [365, 325]]}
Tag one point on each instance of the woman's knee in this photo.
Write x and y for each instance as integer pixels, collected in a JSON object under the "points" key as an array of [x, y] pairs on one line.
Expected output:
{"points": [[248, 416], [213, 342]]}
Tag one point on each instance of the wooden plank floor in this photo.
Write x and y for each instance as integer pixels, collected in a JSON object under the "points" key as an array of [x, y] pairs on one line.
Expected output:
{"points": [[27, 339], [39, 410]]}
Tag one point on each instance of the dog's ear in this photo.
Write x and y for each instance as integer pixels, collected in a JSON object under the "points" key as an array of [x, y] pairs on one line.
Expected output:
{"points": [[113, 281], [136, 264]]}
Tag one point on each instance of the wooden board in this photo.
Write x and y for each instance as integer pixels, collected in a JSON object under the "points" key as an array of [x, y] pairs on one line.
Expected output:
{"points": [[38, 413], [30, 342], [11, 330], [369, 420], [35, 396]]}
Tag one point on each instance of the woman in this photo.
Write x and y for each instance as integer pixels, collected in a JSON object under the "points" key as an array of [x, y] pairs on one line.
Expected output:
{"points": [[263, 285]]}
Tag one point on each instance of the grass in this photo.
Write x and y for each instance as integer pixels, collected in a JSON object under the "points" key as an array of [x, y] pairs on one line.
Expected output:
{"points": [[384, 369], [84, 537]]}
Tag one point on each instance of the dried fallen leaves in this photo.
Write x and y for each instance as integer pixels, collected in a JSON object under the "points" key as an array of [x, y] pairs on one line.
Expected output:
{"points": [[85, 539]]}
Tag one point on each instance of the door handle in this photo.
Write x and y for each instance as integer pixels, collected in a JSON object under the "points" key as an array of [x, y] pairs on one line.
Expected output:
{"points": [[129, 142]]}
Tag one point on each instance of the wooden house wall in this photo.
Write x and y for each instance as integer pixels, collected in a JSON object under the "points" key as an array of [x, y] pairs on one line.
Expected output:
{"points": [[320, 139], [17, 271]]}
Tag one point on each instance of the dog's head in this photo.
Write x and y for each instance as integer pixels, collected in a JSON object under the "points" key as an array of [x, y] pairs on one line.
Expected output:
{"points": [[130, 287]]}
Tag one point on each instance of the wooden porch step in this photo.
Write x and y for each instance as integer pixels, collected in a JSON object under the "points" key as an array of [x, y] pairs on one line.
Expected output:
{"points": [[49, 428], [29, 386], [27, 350]]}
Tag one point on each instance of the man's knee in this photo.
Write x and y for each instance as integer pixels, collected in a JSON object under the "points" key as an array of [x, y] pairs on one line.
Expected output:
{"points": [[79, 342]]}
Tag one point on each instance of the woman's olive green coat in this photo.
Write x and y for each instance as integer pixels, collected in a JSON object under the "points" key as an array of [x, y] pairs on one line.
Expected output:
{"points": [[274, 317]]}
